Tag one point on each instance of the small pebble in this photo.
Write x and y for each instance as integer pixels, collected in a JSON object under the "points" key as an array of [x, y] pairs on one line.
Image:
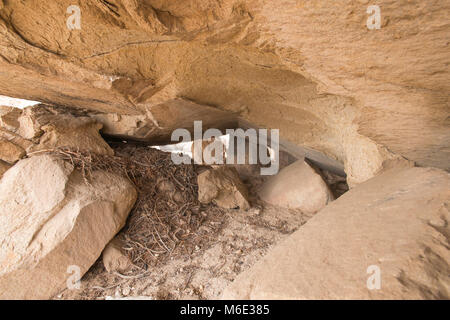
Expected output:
{"points": [[126, 291]]}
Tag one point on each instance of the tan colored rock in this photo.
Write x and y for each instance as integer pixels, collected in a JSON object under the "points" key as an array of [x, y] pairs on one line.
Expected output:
{"points": [[164, 185], [354, 95], [297, 186], [161, 119], [52, 223], [80, 133], [5, 109], [182, 113], [33, 119], [3, 167], [114, 257], [136, 127], [47, 127], [222, 186], [10, 152], [397, 222], [9, 118], [15, 138]]}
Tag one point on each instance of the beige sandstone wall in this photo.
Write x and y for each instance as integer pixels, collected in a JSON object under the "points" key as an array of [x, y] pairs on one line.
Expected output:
{"points": [[308, 67]]}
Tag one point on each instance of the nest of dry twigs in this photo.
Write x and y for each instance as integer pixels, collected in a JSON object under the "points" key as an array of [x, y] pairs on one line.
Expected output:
{"points": [[167, 219]]}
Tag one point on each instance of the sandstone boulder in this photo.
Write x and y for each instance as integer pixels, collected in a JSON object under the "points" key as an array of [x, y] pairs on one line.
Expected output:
{"points": [[114, 257], [394, 227], [222, 186], [52, 222], [297, 186], [10, 152]]}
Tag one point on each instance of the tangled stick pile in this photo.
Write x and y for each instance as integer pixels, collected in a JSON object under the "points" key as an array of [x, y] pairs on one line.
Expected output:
{"points": [[167, 219]]}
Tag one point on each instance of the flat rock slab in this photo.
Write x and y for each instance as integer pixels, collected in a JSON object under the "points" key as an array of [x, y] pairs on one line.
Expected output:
{"points": [[394, 226]]}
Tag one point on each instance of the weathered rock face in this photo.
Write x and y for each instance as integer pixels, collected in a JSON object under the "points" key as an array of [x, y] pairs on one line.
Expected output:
{"points": [[222, 186], [10, 152], [297, 186], [52, 220], [396, 223], [43, 127], [3, 167], [114, 258], [75, 133], [159, 122], [15, 138], [9, 118], [356, 95]]}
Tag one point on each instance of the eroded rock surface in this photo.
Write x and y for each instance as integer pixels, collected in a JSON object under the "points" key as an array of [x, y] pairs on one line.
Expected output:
{"points": [[10, 152], [355, 95], [52, 223], [9, 118], [396, 222], [4, 166], [74, 133], [44, 127], [222, 186], [115, 258]]}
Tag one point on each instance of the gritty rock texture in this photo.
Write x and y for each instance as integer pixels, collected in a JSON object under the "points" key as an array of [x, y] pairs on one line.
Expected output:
{"points": [[75, 133], [52, 220], [222, 186], [297, 186], [10, 152], [115, 258], [9, 118], [43, 127], [4, 166], [397, 222], [310, 68]]}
